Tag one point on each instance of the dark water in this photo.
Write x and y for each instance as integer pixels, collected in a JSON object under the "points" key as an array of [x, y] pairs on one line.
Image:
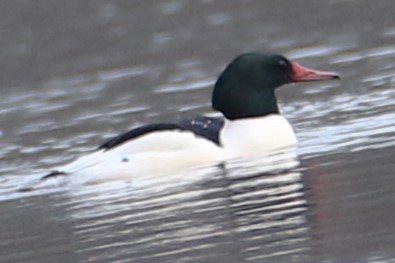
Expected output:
{"points": [[74, 73]]}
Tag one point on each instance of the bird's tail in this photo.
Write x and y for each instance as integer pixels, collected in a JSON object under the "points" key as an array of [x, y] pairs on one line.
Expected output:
{"points": [[53, 178]]}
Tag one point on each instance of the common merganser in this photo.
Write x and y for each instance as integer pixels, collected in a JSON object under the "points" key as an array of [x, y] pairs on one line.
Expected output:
{"points": [[244, 93]]}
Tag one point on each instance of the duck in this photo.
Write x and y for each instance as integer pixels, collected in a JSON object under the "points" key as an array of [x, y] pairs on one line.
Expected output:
{"points": [[251, 124]]}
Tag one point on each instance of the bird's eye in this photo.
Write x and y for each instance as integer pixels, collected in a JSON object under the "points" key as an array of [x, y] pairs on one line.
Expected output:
{"points": [[282, 64]]}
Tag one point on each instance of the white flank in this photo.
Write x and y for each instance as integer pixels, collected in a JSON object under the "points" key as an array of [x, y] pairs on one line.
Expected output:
{"points": [[157, 152]]}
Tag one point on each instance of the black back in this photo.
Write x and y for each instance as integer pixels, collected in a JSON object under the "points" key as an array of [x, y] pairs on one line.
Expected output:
{"points": [[206, 127]]}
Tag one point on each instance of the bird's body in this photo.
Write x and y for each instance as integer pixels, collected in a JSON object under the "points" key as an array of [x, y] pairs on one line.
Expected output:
{"points": [[252, 125], [256, 136]]}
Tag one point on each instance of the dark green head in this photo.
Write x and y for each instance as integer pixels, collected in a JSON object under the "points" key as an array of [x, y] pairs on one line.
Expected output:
{"points": [[246, 87]]}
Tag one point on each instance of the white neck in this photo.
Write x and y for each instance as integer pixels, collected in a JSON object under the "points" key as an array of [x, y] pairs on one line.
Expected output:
{"points": [[258, 135]]}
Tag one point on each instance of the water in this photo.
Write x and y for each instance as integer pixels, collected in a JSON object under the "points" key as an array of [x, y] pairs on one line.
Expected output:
{"points": [[75, 73]]}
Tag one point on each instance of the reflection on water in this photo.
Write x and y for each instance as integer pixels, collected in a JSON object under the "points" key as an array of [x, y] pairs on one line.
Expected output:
{"points": [[350, 206], [75, 73], [216, 217]]}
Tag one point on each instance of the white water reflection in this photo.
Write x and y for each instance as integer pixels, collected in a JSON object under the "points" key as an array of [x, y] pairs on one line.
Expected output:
{"points": [[250, 218], [359, 122]]}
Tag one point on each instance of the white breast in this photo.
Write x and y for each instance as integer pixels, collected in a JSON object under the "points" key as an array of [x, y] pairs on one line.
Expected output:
{"points": [[257, 136]]}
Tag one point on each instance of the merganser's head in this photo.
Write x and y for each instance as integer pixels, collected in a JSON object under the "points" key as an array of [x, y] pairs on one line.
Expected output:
{"points": [[246, 87]]}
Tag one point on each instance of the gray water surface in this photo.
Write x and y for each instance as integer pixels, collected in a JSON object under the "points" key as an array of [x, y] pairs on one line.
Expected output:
{"points": [[75, 73]]}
